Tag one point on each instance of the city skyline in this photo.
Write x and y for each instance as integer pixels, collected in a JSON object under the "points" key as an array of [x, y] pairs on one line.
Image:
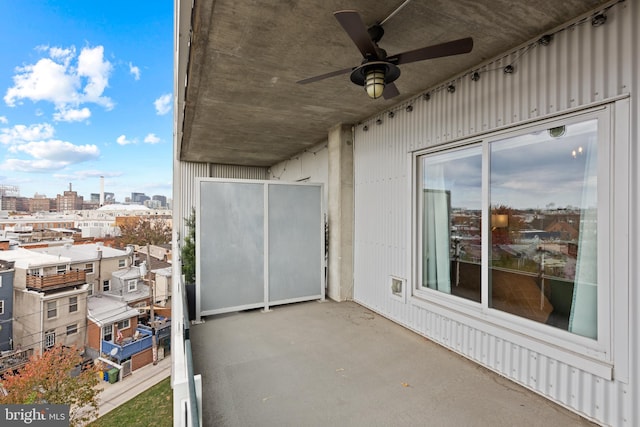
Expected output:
{"points": [[86, 92]]}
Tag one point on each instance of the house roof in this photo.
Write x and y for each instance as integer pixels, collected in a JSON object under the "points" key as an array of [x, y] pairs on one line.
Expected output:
{"points": [[238, 61], [29, 258], [78, 253], [163, 271], [127, 273], [104, 310], [118, 207]]}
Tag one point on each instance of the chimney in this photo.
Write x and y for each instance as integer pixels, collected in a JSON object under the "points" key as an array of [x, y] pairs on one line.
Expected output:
{"points": [[70, 187], [102, 191]]}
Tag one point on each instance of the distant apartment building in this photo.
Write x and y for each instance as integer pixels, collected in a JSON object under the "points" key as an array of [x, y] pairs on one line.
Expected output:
{"points": [[109, 198], [14, 204], [153, 204], [139, 198], [161, 199], [36, 223], [40, 203], [69, 201]]}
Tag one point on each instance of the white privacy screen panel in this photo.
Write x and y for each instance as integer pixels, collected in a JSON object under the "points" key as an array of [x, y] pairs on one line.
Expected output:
{"points": [[259, 243], [295, 241]]}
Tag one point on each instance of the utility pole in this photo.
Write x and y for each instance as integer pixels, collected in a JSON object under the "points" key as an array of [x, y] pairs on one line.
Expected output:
{"points": [[154, 344]]}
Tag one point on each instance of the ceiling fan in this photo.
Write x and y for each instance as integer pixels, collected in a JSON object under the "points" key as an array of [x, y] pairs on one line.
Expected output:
{"points": [[377, 72]]}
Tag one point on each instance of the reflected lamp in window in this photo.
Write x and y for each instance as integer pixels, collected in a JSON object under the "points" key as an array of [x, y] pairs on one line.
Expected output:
{"points": [[544, 254]]}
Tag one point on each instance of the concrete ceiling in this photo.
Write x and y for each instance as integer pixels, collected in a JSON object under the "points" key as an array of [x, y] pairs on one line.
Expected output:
{"points": [[242, 105]]}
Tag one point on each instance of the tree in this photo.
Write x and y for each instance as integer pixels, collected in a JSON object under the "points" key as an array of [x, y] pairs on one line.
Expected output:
{"points": [[52, 377], [188, 251], [142, 231]]}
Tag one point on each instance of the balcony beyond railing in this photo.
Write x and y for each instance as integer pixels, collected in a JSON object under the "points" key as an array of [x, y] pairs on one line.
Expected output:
{"points": [[55, 281], [128, 348], [12, 360]]}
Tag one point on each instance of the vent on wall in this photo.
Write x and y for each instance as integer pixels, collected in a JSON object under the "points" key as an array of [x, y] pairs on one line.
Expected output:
{"points": [[397, 287]]}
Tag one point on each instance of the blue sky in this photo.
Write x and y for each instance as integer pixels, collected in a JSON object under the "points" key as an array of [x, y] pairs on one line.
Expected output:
{"points": [[86, 91]]}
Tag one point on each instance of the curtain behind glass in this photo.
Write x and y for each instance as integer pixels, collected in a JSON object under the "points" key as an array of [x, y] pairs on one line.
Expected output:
{"points": [[436, 273], [583, 319]]}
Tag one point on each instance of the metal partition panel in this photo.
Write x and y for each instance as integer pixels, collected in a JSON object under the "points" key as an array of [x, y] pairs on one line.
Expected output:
{"points": [[230, 240], [259, 243], [295, 243]]}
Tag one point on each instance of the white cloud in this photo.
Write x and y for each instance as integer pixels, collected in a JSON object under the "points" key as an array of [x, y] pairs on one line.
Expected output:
{"points": [[19, 134], [4, 120], [57, 80], [64, 55], [163, 104], [72, 115], [122, 140], [151, 139], [46, 154], [135, 71], [61, 152], [91, 64], [32, 165], [47, 80]]}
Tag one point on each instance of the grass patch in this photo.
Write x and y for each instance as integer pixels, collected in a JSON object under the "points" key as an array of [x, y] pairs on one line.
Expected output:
{"points": [[153, 407]]}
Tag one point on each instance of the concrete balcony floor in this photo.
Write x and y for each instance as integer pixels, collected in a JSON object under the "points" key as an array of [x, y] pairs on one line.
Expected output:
{"points": [[340, 364]]}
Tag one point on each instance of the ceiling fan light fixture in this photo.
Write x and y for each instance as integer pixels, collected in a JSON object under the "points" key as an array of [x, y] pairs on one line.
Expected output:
{"points": [[374, 82], [374, 76]]}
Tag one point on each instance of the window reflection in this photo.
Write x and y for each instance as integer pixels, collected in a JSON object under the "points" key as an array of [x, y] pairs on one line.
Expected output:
{"points": [[451, 222], [543, 248]]}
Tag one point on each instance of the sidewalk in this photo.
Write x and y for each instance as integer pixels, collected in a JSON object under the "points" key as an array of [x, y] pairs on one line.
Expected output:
{"points": [[114, 395]]}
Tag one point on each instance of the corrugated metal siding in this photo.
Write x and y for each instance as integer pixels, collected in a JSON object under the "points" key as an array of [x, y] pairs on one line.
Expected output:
{"points": [[583, 65], [312, 165], [184, 191], [238, 172]]}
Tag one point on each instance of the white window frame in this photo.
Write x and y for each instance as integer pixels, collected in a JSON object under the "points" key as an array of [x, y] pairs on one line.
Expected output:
{"points": [[1, 306], [131, 282], [72, 329], [108, 328], [49, 339], [53, 310], [123, 324], [106, 285], [122, 263], [61, 269], [73, 304], [88, 267], [597, 354]]}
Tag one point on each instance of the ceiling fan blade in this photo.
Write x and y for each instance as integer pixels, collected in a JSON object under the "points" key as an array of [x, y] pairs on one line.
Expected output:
{"points": [[355, 28], [454, 47], [325, 76], [390, 91]]}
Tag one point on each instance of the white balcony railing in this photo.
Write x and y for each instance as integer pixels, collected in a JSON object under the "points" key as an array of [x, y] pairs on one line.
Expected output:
{"points": [[187, 387]]}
